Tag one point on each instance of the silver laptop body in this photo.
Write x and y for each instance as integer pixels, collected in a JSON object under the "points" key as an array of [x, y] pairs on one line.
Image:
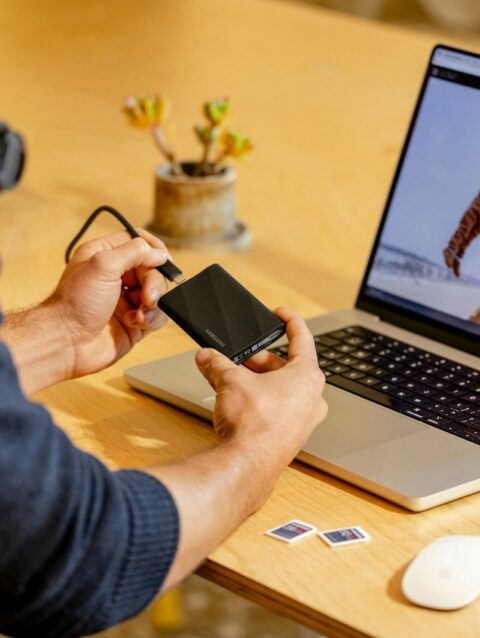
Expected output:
{"points": [[409, 295]]}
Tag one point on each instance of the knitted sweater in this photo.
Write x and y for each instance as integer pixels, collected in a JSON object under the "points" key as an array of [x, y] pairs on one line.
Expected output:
{"points": [[81, 548]]}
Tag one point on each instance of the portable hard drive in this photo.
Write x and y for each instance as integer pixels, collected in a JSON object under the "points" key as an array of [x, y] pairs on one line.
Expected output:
{"points": [[218, 312]]}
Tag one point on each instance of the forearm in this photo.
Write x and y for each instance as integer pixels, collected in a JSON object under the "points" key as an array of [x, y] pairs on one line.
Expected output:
{"points": [[40, 348], [214, 491]]}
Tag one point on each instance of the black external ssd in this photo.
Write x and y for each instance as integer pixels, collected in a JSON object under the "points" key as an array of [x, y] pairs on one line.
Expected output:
{"points": [[218, 312]]}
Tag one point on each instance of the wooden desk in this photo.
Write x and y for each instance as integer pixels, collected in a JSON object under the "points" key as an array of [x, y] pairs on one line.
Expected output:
{"points": [[327, 100]]}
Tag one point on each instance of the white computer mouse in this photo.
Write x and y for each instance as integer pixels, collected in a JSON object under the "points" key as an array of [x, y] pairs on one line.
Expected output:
{"points": [[446, 574]]}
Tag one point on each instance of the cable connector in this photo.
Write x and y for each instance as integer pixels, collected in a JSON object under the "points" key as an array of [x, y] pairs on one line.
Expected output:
{"points": [[171, 272]]}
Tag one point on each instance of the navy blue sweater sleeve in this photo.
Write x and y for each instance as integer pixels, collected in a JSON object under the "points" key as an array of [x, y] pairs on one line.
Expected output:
{"points": [[81, 548]]}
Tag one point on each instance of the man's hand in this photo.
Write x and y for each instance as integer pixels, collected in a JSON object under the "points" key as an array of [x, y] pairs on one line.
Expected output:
{"points": [[272, 406], [105, 302], [263, 416], [107, 297]]}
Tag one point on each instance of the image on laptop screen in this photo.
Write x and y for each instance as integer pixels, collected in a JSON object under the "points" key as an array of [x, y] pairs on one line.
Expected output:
{"points": [[427, 259]]}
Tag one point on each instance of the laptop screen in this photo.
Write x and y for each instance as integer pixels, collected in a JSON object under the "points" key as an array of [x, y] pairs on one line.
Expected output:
{"points": [[426, 260]]}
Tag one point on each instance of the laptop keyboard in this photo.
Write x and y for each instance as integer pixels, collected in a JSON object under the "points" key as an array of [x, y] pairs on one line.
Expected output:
{"points": [[414, 382]]}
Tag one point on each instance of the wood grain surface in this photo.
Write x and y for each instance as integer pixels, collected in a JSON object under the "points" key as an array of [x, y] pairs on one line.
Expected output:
{"points": [[327, 100]]}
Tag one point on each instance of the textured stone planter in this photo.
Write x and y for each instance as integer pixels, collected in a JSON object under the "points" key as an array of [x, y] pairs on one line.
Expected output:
{"points": [[192, 211]]}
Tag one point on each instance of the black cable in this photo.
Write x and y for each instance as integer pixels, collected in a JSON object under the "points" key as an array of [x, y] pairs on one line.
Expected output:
{"points": [[168, 269]]}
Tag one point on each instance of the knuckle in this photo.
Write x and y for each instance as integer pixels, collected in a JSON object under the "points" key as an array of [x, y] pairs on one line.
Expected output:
{"points": [[140, 245], [82, 252], [99, 260], [321, 377]]}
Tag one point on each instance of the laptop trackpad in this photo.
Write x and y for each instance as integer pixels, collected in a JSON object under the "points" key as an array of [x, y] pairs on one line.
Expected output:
{"points": [[355, 424]]}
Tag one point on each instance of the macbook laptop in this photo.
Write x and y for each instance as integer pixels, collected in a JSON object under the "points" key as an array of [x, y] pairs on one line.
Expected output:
{"points": [[402, 367]]}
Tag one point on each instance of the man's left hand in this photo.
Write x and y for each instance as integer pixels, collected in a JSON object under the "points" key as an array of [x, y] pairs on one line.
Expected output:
{"points": [[107, 297]]}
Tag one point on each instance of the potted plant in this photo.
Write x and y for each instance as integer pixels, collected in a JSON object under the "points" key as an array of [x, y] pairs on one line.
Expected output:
{"points": [[194, 199]]}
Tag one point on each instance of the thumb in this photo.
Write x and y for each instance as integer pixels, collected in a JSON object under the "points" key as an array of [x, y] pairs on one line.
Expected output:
{"points": [[213, 365], [132, 254]]}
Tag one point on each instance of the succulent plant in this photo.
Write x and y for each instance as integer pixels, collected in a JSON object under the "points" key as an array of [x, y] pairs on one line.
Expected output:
{"points": [[219, 142]]}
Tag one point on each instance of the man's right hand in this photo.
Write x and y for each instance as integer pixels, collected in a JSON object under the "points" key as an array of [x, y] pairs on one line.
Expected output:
{"points": [[272, 406], [263, 416]]}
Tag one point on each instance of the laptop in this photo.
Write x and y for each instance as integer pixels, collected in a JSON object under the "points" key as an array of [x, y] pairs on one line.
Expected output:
{"points": [[402, 367]]}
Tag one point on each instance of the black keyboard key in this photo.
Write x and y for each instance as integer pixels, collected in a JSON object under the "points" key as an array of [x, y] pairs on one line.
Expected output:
{"points": [[395, 379], [331, 354], [369, 346], [437, 361], [323, 363], [471, 398], [464, 383], [438, 385], [408, 350], [415, 365], [475, 430], [337, 368], [360, 332], [471, 374], [399, 393], [363, 366], [438, 420], [325, 340], [355, 341], [414, 400], [410, 384], [385, 387], [466, 419], [319, 348], [447, 376], [354, 375], [339, 334], [385, 352], [362, 390], [455, 391], [459, 405], [371, 381], [361, 354], [443, 410], [426, 391], [453, 428], [418, 413], [348, 361], [424, 378], [344, 348], [377, 361], [393, 367], [377, 372], [455, 367]]}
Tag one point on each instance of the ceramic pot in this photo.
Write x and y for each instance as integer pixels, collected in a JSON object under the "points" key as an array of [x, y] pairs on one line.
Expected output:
{"points": [[194, 208]]}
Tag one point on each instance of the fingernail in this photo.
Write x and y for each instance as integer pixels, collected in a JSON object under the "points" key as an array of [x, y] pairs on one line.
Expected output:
{"points": [[159, 254], [154, 294], [202, 355], [148, 316]]}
